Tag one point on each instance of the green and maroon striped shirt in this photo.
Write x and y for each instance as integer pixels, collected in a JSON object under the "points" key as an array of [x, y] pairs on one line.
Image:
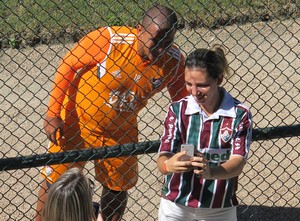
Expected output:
{"points": [[226, 132]]}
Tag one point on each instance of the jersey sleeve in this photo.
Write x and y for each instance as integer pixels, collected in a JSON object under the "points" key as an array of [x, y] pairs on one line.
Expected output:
{"points": [[170, 139], [89, 51], [176, 87], [243, 136]]}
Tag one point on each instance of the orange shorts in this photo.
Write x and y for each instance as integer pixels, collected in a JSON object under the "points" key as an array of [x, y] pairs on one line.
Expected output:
{"points": [[118, 174]]}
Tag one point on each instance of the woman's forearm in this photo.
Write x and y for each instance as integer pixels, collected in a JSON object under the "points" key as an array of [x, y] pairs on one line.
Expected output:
{"points": [[232, 168]]}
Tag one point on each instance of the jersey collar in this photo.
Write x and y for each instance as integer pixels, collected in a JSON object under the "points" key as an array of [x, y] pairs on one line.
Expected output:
{"points": [[226, 108]]}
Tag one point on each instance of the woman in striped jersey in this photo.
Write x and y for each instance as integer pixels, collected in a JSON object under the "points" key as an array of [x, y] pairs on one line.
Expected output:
{"points": [[220, 127]]}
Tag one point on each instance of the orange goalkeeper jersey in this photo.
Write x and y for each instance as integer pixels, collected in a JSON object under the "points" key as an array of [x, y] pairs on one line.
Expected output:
{"points": [[103, 82]]}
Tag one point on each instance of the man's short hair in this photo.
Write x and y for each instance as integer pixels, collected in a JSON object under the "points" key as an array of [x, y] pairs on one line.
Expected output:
{"points": [[162, 16]]}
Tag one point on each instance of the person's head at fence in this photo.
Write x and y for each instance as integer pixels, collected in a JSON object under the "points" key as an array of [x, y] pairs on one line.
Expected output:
{"points": [[205, 144], [156, 33], [204, 73], [70, 198]]}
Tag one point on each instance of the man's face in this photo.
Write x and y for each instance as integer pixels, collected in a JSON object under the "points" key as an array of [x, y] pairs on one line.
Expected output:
{"points": [[153, 42]]}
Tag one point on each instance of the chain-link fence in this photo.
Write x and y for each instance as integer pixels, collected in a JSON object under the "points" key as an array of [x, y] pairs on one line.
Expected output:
{"points": [[263, 41]]}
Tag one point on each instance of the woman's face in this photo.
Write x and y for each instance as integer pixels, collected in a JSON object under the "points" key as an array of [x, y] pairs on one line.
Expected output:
{"points": [[202, 87]]}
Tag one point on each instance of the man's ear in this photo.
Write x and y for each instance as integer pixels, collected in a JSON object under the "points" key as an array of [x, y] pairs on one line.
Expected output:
{"points": [[139, 28], [220, 79]]}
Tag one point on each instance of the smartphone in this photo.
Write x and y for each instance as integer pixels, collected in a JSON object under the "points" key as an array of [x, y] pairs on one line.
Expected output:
{"points": [[190, 151]]}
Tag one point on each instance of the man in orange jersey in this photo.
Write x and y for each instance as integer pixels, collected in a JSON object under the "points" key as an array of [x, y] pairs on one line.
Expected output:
{"points": [[99, 88]]}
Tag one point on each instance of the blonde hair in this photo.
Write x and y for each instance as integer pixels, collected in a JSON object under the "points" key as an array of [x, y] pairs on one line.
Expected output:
{"points": [[69, 198]]}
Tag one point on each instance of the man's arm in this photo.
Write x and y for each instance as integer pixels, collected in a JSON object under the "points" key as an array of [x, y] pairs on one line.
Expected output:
{"points": [[89, 51], [176, 87]]}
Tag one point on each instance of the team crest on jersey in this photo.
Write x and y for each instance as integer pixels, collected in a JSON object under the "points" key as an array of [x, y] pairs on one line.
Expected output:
{"points": [[156, 82], [226, 134]]}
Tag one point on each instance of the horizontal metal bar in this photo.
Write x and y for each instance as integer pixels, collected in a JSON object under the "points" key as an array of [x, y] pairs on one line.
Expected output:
{"points": [[148, 147]]}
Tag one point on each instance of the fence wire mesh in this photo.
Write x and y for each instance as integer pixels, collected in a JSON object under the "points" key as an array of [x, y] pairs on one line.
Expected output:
{"points": [[263, 42]]}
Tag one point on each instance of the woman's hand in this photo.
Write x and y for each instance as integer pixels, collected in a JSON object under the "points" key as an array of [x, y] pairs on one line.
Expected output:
{"points": [[200, 165], [176, 165], [231, 168], [172, 163]]}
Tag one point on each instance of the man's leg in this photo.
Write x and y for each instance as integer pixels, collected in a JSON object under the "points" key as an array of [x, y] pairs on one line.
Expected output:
{"points": [[42, 195], [113, 204]]}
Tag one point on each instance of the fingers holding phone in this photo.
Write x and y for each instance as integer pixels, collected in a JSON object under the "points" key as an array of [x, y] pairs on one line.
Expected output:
{"points": [[200, 163]]}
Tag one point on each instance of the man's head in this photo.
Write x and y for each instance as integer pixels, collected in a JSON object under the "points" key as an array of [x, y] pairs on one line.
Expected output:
{"points": [[156, 32]]}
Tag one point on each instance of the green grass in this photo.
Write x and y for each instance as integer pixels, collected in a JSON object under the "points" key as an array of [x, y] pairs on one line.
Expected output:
{"points": [[21, 18]]}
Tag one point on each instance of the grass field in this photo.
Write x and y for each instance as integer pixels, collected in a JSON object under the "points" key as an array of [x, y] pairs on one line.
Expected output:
{"points": [[29, 22]]}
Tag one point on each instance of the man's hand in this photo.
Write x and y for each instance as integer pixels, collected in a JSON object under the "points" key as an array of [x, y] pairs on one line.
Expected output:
{"points": [[54, 128]]}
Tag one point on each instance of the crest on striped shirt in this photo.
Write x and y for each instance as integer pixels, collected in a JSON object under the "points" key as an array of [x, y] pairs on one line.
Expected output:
{"points": [[226, 134]]}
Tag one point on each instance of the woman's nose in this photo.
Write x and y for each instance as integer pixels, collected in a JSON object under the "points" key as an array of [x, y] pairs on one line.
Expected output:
{"points": [[195, 92]]}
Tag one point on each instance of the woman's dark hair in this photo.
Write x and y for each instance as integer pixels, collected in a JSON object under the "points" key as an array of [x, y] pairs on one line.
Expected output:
{"points": [[213, 60]]}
